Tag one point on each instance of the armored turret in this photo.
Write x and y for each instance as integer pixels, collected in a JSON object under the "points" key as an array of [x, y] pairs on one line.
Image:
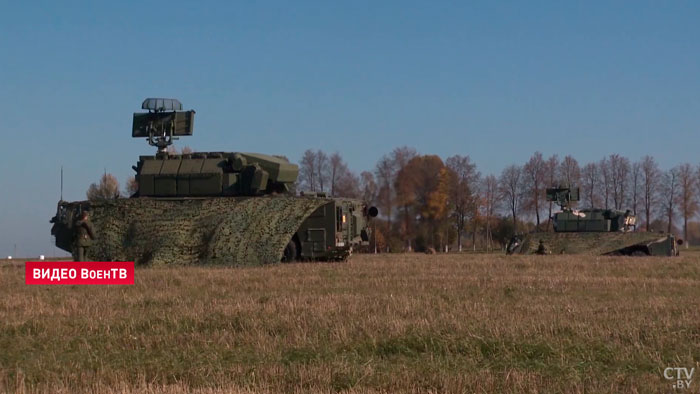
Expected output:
{"points": [[201, 174], [586, 220]]}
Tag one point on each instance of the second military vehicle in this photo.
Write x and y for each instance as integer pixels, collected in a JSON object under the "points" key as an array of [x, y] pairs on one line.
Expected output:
{"points": [[213, 207], [592, 231]]}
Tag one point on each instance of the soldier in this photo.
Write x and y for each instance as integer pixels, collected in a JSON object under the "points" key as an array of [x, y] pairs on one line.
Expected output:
{"points": [[541, 249], [84, 234]]}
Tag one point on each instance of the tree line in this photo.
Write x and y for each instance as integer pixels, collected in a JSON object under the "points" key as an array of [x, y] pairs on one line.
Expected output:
{"points": [[426, 202]]}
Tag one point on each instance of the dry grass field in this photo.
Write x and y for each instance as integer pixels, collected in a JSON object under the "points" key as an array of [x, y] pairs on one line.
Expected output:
{"points": [[386, 323]]}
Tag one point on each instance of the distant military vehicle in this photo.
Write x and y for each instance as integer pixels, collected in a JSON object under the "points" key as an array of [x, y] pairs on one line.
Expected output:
{"points": [[592, 231], [214, 207]]}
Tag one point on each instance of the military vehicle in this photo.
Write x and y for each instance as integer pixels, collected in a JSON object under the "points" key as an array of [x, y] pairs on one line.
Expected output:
{"points": [[592, 231], [213, 207]]}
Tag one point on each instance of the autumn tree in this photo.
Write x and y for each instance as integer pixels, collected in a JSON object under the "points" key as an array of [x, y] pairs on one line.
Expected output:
{"points": [[132, 186], [422, 188], [687, 196], [463, 192], [400, 157], [649, 184], [107, 189], [510, 186], [385, 172]]}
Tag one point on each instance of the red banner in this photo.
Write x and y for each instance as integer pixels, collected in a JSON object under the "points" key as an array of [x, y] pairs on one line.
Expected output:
{"points": [[79, 273]]}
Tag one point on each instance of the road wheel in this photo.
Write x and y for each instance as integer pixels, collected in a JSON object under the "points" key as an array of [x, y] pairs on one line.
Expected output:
{"points": [[290, 252]]}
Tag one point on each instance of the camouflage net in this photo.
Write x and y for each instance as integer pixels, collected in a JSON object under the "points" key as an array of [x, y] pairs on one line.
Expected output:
{"points": [[587, 243], [232, 231]]}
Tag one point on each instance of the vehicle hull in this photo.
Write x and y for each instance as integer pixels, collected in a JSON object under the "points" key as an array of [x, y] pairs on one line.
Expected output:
{"points": [[241, 231], [600, 243]]}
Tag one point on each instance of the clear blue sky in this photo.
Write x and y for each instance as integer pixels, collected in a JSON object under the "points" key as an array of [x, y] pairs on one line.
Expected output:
{"points": [[493, 80]]}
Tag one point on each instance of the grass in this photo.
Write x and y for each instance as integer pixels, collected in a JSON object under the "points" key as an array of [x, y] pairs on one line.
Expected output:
{"points": [[385, 323]]}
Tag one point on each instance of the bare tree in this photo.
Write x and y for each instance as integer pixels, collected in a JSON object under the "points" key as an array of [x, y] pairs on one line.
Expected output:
{"points": [[107, 189], [463, 192], [369, 187], [338, 172], [321, 169], [650, 184], [687, 196], [511, 189], [385, 174], [668, 194], [348, 184], [402, 155], [635, 185], [489, 192], [570, 172], [551, 176], [619, 173], [307, 170], [336, 164], [591, 181], [534, 178], [605, 180], [186, 150]]}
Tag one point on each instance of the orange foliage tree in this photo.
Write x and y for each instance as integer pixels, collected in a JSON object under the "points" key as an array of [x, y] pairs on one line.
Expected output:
{"points": [[422, 188]]}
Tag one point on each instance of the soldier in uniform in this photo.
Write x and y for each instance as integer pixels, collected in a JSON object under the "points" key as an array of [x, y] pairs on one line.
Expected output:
{"points": [[84, 234], [541, 249]]}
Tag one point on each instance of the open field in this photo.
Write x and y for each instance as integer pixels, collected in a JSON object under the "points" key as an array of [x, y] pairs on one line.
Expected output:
{"points": [[386, 323]]}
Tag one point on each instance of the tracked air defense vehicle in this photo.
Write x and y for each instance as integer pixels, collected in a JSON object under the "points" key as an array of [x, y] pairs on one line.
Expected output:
{"points": [[593, 232], [213, 207]]}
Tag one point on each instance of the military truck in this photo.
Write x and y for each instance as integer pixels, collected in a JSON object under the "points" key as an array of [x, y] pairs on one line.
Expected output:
{"points": [[213, 207], [592, 231]]}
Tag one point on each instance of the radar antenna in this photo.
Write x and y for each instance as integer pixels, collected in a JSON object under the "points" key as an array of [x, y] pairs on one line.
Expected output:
{"points": [[563, 196], [164, 122]]}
